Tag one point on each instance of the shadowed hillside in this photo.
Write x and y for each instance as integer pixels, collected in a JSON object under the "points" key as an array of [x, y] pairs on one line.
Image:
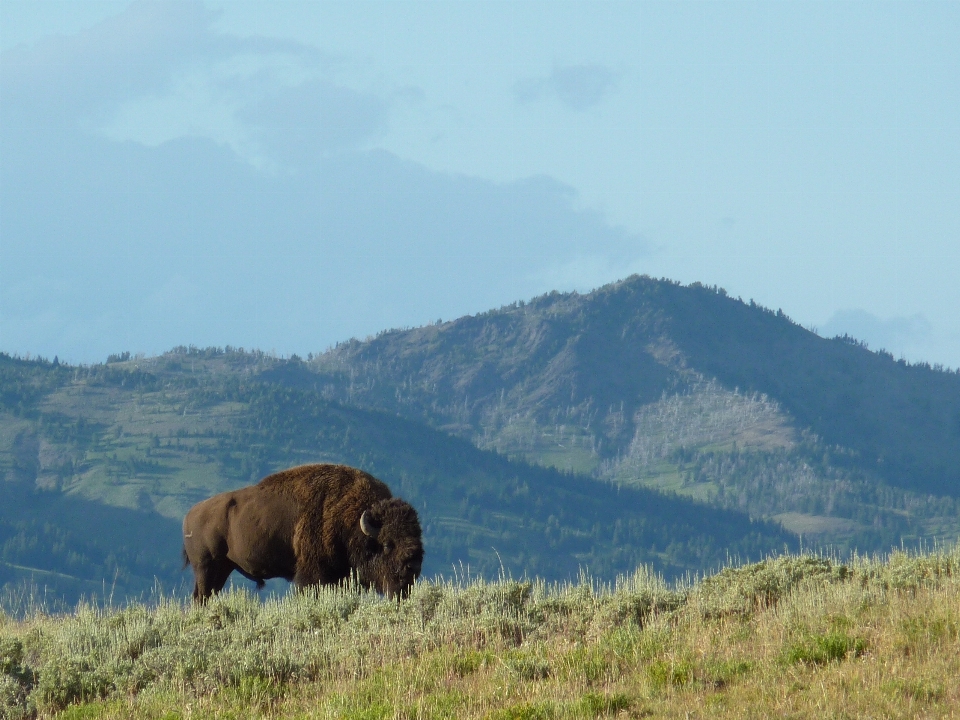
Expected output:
{"points": [[901, 419], [76, 548]]}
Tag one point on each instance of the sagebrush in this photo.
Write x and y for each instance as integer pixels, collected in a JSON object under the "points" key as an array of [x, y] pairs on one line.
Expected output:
{"points": [[796, 635]]}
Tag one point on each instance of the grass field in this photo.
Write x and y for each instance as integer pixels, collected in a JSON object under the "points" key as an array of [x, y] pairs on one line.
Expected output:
{"points": [[794, 636]]}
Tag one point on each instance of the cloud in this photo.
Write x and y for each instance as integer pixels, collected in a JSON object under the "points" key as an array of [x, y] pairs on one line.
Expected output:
{"points": [[578, 87], [143, 248], [63, 78], [160, 70], [303, 122], [896, 335], [112, 242]]}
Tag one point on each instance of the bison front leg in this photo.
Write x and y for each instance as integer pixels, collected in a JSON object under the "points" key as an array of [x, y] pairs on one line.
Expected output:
{"points": [[210, 577]]}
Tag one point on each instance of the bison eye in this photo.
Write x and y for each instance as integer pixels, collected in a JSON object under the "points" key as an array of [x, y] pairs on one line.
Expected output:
{"points": [[388, 547]]}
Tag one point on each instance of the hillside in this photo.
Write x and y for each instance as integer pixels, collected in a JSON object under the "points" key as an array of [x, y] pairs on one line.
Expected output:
{"points": [[684, 388], [105, 460]]}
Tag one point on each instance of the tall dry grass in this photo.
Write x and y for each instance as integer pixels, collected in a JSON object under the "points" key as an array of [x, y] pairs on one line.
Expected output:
{"points": [[794, 636]]}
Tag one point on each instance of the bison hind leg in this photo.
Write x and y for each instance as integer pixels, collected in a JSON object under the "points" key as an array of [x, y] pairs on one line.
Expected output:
{"points": [[210, 577]]}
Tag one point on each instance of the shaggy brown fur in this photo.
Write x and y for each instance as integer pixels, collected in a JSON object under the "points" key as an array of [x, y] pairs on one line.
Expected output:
{"points": [[314, 524]]}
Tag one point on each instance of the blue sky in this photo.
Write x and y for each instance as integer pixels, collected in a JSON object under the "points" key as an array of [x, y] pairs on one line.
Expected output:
{"points": [[287, 175]]}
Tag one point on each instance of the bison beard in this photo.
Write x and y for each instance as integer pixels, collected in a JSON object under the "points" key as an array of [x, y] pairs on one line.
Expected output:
{"points": [[314, 524]]}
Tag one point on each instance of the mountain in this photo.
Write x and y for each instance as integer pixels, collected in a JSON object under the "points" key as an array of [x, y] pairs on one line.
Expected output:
{"points": [[645, 422], [100, 463], [650, 382]]}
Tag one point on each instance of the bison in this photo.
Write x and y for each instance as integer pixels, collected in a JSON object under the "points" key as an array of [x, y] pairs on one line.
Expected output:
{"points": [[314, 524]]}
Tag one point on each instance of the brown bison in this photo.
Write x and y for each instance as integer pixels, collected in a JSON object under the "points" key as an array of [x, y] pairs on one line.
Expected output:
{"points": [[314, 524]]}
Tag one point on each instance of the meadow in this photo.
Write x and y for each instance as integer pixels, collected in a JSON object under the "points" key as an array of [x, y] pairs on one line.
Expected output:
{"points": [[792, 636]]}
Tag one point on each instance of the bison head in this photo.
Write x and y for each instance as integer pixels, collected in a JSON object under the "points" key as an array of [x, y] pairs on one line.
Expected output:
{"points": [[396, 550]]}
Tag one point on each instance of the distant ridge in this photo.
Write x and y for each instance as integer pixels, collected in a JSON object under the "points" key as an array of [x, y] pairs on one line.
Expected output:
{"points": [[150, 437], [597, 358]]}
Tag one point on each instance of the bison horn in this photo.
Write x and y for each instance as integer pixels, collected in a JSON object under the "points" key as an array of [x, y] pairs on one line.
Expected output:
{"points": [[369, 528]]}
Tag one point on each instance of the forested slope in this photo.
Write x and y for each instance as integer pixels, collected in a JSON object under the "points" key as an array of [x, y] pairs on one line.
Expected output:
{"points": [[902, 420], [152, 440], [683, 388], [598, 358]]}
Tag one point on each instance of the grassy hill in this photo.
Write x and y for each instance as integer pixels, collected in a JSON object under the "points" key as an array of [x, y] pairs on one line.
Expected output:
{"points": [[795, 636], [100, 464]]}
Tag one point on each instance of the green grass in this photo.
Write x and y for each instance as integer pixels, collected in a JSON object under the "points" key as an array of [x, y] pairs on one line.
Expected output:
{"points": [[798, 636]]}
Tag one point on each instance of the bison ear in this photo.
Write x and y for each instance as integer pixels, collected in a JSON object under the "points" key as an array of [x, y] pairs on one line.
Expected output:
{"points": [[369, 527]]}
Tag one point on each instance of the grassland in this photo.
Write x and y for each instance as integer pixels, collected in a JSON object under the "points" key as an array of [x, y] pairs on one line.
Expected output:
{"points": [[793, 636]]}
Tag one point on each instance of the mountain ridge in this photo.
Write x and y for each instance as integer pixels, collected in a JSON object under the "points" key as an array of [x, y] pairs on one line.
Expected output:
{"points": [[665, 336], [537, 439]]}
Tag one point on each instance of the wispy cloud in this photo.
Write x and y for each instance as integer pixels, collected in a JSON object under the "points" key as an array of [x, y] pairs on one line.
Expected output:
{"points": [[303, 122], [578, 87], [160, 71], [62, 78]]}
